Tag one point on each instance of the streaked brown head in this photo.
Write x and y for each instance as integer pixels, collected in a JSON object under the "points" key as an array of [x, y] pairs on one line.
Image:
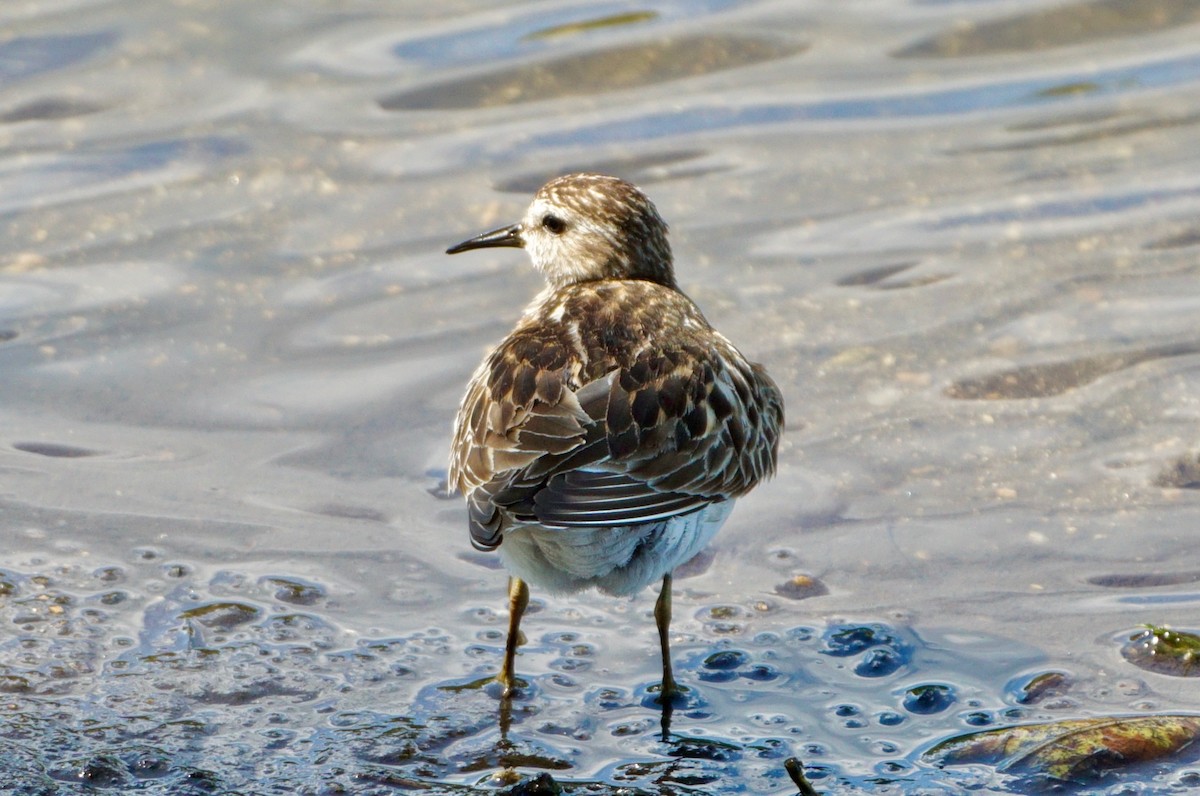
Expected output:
{"points": [[585, 227]]}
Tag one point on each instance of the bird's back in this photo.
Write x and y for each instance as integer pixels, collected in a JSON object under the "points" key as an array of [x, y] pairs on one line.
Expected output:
{"points": [[612, 403]]}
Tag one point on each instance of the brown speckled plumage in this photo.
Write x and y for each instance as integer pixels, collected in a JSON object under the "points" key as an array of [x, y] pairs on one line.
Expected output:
{"points": [[613, 427], [628, 378]]}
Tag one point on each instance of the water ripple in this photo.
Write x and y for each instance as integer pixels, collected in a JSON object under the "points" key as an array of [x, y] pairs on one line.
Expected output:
{"points": [[1072, 24], [974, 98], [27, 56]]}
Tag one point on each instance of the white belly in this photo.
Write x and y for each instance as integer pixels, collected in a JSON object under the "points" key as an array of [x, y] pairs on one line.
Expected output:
{"points": [[618, 561]]}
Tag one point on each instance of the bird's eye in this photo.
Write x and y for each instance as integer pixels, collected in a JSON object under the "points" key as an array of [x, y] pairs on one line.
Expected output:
{"points": [[554, 224]]}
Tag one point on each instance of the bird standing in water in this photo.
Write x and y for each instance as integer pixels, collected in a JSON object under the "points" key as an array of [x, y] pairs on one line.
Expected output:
{"points": [[603, 442]]}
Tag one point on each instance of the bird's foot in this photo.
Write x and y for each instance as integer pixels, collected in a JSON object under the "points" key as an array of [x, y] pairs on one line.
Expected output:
{"points": [[510, 685], [671, 692]]}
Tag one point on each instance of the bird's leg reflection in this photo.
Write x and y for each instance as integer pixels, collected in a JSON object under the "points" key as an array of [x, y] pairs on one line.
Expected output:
{"points": [[669, 688], [518, 600], [507, 758], [505, 722]]}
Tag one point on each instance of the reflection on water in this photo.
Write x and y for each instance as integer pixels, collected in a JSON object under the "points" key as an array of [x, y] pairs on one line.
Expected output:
{"points": [[1040, 381], [587, 74], [1061, 26], [961, 235]]}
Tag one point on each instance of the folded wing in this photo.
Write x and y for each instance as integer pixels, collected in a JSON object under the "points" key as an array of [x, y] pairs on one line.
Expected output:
{"points": [[668, 433]]}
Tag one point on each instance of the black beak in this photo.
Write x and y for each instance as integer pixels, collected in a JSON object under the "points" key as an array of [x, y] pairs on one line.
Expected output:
{"points": [[505, 236]]}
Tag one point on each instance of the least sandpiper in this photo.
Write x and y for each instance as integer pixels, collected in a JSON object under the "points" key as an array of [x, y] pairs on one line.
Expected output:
{"points": [[603, 442]]}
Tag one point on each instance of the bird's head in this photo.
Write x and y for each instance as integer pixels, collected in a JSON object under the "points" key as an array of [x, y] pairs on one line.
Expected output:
{"points": [[584, 227]]}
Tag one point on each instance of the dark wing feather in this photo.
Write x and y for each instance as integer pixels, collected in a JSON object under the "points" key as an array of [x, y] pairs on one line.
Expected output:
{"points": [[583, 498]]}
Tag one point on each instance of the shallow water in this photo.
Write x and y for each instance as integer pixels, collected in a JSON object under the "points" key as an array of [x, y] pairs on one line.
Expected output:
{"points": [[961, 235]]}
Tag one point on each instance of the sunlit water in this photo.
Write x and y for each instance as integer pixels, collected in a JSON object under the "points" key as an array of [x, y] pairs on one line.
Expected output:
{"points": [[963, 237]]}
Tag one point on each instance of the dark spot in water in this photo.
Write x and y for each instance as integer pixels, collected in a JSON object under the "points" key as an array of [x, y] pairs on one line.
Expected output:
{"points": [[1039, 687], [759, 673], [1183, 473], [107, 771], [198, 781], [704, 749], [254, 692], [344, 511], [176, 571], [8, 334], [801, 633], [724, 612], [721, 667], [872, 276], [597, 71], [13, 684], [282, 628], [1079, 128], [724, 620], [1055, 378], [978, 718], [47, 109], [851, 716], [800, 587], [725, 659], [1148, 580], [1035, 381], [55, 450], [879, 662], [931, 698], [609, 699], [295, 591], [109, 574], [221, 615], [541, 785], [1180, 241], [147, 765], [845, 640], [916, 281]]}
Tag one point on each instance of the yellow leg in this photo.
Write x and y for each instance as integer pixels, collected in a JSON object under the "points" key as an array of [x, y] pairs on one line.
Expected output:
{"points": [[518, 599], [662, 617]]}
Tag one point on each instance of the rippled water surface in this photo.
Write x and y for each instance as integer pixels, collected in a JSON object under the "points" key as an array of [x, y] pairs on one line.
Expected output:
{"points": [[963, 237]]}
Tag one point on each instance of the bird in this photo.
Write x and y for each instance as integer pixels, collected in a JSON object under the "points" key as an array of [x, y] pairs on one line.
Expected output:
{"points": [[604, 441]]}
